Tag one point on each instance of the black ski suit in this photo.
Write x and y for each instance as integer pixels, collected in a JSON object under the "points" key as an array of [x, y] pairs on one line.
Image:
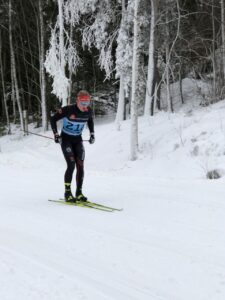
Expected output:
{"points": [[74, 122]]}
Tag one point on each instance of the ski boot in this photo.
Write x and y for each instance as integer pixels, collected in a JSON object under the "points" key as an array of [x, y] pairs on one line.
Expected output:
{"points": [[68, 196], [80, 197]]}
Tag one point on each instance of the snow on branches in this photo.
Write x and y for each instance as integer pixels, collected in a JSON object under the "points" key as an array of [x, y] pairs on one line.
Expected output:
{"points": [[124, 50], [53, 67], [61, 54], [97, 34]]}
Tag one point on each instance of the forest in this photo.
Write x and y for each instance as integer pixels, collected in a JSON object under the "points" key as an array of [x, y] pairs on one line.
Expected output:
{"points": [[122, 51]]}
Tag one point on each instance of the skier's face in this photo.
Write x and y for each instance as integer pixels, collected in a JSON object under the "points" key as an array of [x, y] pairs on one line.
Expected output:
{"points": [[83, 102], [83, 105]]}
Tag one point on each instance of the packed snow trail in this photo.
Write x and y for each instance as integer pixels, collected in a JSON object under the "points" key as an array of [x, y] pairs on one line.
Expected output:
{"points": [[168, 243]]}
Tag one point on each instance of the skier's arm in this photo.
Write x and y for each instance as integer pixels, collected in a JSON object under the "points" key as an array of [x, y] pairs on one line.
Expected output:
{"points": [[61, 113], [91, 129], [90, 124]]}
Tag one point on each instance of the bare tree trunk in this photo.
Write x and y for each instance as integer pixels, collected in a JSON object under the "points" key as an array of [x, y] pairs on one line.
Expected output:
{"points": [[31, 54], [151, 61], [157, 91], [134, 105], [214, 92], [3, 88], [13, 97], [42, 70], [121, 101], [181, 86], [25, 68], [168, 94], [13, 68]]}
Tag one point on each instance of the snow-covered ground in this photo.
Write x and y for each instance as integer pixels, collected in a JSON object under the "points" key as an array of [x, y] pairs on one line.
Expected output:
{"points": [[168, 243]]}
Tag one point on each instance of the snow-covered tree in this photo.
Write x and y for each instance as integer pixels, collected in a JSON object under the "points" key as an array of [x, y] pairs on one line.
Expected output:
{"points": [[124, 57], [101, 32], [95, 33], [61, 54]]}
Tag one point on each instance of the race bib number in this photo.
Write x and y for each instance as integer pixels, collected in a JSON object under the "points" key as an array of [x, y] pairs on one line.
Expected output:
{"points": [[72, 128]]}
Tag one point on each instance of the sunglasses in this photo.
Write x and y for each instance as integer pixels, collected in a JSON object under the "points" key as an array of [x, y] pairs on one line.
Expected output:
{"points": [[84, 103]]}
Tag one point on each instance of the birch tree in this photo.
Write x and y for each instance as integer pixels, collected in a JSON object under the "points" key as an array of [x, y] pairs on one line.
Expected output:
{"points": [[134, 104], [151, 60], [120, 107]]}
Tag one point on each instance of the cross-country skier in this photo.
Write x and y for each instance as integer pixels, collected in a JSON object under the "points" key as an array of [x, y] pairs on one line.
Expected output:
{"points": [[74, 117]]}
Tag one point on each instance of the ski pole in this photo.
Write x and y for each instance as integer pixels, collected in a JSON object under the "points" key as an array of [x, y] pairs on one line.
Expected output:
{"points": [[44, 136], [47, 137]]}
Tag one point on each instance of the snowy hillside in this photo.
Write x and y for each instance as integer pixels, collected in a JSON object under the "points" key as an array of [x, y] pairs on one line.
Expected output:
{"points": [[168, 243]]}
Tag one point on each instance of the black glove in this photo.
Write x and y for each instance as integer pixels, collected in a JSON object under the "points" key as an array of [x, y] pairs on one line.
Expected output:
{"points": [[92, 138], [57, 138]]}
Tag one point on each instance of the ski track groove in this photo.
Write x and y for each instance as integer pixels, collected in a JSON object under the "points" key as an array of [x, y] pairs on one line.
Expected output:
{"points": [[81, 277]]}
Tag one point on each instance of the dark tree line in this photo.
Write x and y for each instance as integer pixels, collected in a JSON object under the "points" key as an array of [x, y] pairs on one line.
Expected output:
{"points": [[189, 41]]}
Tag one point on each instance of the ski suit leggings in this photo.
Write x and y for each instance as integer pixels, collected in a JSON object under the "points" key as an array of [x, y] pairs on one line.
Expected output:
{"points": [[74, 155]]}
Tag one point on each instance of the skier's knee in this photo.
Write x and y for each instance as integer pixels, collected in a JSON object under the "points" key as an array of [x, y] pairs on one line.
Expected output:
{"points": [[79, 162], [71, 166]]}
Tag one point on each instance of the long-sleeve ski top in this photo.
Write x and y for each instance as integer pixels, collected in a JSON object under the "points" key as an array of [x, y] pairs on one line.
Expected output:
{"points": [[74, 120]]}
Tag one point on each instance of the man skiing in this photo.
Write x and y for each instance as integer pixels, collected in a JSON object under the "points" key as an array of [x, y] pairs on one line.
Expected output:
{"points": [[74, 117]]}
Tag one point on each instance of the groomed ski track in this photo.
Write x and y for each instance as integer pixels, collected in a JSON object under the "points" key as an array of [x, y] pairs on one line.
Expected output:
{"points": [[160, 250]]}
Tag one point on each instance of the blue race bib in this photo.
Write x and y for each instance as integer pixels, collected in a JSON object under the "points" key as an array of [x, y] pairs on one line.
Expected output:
{"points": [[72, 128]]}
